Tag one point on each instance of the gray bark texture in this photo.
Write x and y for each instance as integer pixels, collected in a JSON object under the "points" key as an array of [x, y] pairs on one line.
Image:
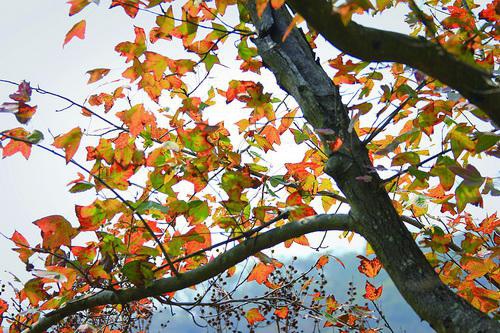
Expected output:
{"points": [[293, 63]]}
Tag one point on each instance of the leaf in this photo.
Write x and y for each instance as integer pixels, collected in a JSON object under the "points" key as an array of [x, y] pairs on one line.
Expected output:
{"points": [[23, 93], [78, 30], [69, 142], [139, 272], [368, 267], [372, 293], [81, 187], [261, 6], [97, 74], [322, 261], [77, 6], [260, 273], [407, 157], [253, 316], [4, 306], [465, 194], [276, 4], [23, 246], [17, 146], [56, 231], [136, 118], [34, 290], [282, 312], [131, 7]]}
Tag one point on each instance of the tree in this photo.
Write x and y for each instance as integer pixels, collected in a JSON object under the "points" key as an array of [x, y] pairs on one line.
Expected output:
{"points": [[403, 147]]}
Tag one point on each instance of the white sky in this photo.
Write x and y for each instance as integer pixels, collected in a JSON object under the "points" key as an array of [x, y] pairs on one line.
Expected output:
{"points": [[31, 36]]}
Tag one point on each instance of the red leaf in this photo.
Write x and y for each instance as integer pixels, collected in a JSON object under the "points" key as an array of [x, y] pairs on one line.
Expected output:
{"points": [[56, 231], [369, 267], [3, 307], [372, 293], [253, 316], [78, 30], [281, 312], [24, 247], [69, 142], [260, 273]]}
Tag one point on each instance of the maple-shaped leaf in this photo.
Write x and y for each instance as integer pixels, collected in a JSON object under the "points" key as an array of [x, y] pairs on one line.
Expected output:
{"points": [[78, 30], [69, 142], [260, 273], [369, 267], [195, 139], [34, 291], [198, 238], [77, 6], [56, 231], [282, 312], [97, 74], [23, 246], [253, 316], [84, 254], [17, 146], [136, 118], [371, 292], [133, 50]]}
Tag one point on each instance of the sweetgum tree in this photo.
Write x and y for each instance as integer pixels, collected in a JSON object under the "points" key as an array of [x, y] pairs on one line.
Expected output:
{"points": [[388, 129]]}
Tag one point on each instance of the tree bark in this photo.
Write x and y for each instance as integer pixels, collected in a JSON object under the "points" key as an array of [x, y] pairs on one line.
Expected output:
{"points": [[378, 45], [293, 63]]}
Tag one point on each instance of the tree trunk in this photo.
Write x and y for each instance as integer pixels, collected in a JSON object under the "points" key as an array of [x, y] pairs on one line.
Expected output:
{"points": [[293, 63]]}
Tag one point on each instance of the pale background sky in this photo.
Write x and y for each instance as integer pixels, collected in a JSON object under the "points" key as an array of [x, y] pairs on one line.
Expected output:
{"points": [[31, 35]]}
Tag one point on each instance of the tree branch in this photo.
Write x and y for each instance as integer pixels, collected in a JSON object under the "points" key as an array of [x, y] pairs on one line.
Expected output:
{"points": [[297, 72], [224, 261], [378, 45]]}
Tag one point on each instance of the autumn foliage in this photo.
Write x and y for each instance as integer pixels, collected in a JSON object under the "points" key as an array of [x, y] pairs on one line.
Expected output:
{"points": [[186, 169]]}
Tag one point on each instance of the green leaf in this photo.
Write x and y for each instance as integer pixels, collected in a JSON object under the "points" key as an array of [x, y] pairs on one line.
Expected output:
{"points": [[139, 272], [81, 187]]}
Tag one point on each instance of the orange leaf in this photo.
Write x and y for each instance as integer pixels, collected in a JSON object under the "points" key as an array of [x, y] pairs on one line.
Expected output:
{"points": [[69, 142], [372, 293], [277, 3], [261, 6], [15, 146], [78, 30], [97, 74], [260, 273], [24, 247], [322, 261], [369, 267], [253, 316], [56, 231], [77, 6], [297, 19], [281, 312], [3, 307]]}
